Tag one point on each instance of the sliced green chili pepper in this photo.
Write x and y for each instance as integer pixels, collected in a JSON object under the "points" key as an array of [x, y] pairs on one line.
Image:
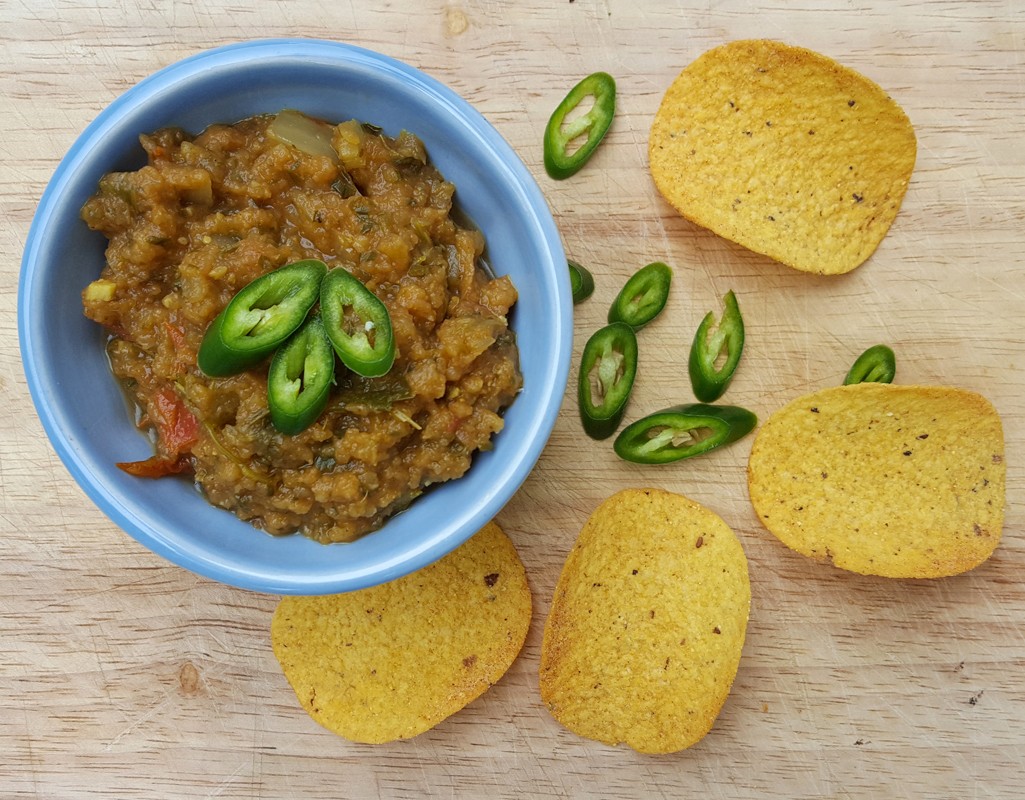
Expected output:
{"points": [[681, 432], [607, 370], [560, 162], [357, 323], [300, 378], [643, 296], [878, 364], [581, 281], [260, 317], [716, 350]]}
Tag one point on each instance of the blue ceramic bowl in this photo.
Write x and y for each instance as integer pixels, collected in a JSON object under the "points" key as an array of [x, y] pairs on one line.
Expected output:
{"points": [[81, 406]]}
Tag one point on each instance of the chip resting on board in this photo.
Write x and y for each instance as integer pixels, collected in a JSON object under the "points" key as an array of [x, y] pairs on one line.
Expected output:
{"points": [[392, 661], [883, 479], [646, 627], [784, 151]]}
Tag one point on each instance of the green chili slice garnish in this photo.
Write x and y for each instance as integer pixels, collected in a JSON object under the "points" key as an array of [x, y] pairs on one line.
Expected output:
{"points": [[643, 296], [300, 378], [581, 281], [715, 351], [682, 432], [260, 317], [357, 323], [561, 160], [607, 371], [878, 364]]}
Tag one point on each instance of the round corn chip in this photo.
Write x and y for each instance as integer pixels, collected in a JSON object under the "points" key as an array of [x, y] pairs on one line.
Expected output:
{"points": [[392, 661], [646, 627], [785, 152], [882, 479]]}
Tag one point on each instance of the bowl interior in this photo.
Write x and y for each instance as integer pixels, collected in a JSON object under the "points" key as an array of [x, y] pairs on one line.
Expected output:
{"points": [[84, 412]]}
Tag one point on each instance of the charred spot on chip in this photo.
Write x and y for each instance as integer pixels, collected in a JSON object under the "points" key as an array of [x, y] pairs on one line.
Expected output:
{"points": [[491, 579]]}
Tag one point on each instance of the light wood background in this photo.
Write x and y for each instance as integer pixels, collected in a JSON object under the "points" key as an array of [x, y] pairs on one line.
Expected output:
{"points": [[124, 677]]}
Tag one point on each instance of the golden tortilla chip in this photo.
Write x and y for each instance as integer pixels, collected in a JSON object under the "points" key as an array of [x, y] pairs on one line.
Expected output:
{"points": [[785, 152], [881, 479], [644, 635], [392, 661]]}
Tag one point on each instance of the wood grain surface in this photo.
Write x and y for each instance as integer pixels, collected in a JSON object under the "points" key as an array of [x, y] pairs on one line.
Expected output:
{"points": [[122, 676]]}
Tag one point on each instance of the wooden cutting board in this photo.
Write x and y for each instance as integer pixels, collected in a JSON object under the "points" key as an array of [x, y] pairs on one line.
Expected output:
{"points": [[122, 676]]}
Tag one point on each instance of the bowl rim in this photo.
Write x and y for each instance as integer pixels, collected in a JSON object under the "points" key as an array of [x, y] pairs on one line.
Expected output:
{"points": [[113, 503]]}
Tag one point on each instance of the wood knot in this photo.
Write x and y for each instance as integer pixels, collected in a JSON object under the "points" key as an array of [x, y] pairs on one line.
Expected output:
{"points": [[188, 678], [456, 21]]}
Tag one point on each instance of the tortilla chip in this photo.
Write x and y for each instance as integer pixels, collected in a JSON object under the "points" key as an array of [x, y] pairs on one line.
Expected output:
{"points": [[880, 479], [646, 627], [392, 661], [785, 152]]}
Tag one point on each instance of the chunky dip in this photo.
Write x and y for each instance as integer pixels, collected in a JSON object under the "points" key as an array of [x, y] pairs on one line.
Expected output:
{"points": [[211, 213]]}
